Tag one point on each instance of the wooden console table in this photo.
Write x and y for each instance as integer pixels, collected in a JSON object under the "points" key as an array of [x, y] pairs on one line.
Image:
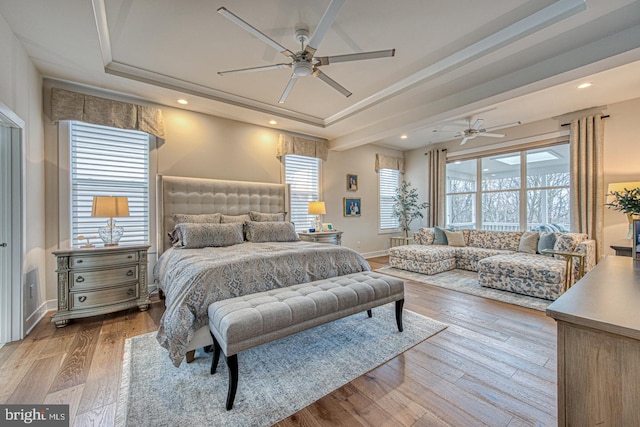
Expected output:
{"points": [[622, 247], [599, 346]]}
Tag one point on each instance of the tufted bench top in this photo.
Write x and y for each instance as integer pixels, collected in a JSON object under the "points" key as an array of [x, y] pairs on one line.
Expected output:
{"points": [[247, 321]]}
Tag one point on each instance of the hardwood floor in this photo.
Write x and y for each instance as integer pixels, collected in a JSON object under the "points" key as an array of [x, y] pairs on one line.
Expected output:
{"points": [[494, 365]]}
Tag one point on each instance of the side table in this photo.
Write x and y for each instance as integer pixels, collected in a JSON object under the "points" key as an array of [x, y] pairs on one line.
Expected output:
{"points": [[622, 247], [334, 237], [568, 257], [399, 241]]}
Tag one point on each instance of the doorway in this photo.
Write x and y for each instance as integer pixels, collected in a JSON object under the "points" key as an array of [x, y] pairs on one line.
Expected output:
{"points": [[11, 226]]}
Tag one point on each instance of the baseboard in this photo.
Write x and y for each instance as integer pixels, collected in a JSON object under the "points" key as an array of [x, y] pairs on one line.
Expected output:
{"points": [[35, 317], [367, 255]]}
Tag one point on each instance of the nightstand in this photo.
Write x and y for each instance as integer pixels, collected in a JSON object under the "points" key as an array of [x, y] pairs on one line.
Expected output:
{"points": [[334, 237], [93, 281]]}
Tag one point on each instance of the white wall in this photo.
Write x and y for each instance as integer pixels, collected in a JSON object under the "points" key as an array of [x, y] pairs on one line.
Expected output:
{"points": [[620, 162], [360, 233], [21, 91]]}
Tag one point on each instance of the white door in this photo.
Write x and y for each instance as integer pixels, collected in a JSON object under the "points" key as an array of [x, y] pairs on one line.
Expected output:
{"points": [[5, 234]]}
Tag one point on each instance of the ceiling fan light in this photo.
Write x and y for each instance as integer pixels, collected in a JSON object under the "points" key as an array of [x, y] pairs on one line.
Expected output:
{"points": [[302, 68]]}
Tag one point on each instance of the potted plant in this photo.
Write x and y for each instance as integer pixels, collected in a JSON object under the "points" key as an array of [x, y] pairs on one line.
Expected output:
{"points": [[627, 201], [407, 207]]}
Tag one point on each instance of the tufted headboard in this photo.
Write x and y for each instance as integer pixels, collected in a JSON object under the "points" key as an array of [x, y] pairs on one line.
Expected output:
{"points": [[176, 194]]}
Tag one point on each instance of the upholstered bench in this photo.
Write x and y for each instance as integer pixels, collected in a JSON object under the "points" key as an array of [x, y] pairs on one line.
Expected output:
{"points": [[244, 322]]}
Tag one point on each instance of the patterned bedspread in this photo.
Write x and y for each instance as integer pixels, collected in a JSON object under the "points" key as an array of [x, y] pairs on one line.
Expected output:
{"points": [[192, 279]]}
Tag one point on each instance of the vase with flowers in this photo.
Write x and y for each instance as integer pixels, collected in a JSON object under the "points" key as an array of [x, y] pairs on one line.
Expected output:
{"points": [[627, 201]]}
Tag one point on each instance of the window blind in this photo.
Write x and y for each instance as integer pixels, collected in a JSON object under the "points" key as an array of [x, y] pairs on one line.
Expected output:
{"points": [[388, 184], [108, 161], [303, 176]]}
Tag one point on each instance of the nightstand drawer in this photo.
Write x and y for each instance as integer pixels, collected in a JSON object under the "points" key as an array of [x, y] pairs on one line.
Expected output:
{"points": [[88, 261], [81, 300], [102, 278]]}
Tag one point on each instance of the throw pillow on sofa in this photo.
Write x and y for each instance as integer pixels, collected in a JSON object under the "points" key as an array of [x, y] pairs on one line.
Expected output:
{"points": [[454, 238], [529, 242], [546, 242], [440, 236]]}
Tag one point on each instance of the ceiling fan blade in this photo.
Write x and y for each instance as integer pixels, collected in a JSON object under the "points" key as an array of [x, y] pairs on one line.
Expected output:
{"points": [[252, 69], [465, 139], [287, 90], [257, 33], [323, 26], [477, 124], [492, 135], [326, 60], [328, 80], [506, 125]]}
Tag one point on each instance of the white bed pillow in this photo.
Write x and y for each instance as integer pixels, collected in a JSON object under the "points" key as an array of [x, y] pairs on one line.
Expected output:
{"points": [[271, 231], [193, 236], [267, 217], [229, 219], [213, 218]]}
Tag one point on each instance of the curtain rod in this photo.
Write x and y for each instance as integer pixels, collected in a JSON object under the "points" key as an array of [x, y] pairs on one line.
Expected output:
{"points": [[603, 117]]}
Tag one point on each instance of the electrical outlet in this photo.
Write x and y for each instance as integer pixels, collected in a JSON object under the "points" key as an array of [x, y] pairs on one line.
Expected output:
{"points": [[358, 244]]}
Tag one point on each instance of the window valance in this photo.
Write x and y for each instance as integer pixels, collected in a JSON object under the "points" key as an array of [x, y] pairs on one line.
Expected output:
{"points": [[288, 144], [388, 162], [66, 105]]}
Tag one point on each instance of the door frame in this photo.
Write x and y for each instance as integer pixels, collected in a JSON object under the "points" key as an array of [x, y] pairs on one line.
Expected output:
{"points": [[12, 299]]}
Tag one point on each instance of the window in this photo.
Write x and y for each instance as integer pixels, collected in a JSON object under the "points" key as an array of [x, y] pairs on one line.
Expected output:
{"points": [[526, 190], [303, 176], [388, 180], [109, 162]]}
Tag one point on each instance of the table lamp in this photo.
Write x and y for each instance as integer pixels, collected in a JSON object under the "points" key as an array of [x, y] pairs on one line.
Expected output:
{"points": [[317, 209], [110, 207]]}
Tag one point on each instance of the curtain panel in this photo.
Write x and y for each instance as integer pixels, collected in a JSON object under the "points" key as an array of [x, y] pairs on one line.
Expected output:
{"points": [[288, 144], [66, 105], [388, 162], [436, 192], [587, 183]]}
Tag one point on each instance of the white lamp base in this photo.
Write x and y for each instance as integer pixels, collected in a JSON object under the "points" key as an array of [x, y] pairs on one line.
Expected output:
{"points": [[111, 234]]}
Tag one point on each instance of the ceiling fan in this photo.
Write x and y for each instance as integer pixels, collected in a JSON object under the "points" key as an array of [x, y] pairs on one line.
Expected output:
{"points": [[475, 129], [304, 63]]}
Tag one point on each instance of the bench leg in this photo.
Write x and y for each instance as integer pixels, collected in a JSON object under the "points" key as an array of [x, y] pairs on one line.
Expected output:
{"points": [[399, 305], [369, 313], [216, 355], [232, 363], [191, 356]]}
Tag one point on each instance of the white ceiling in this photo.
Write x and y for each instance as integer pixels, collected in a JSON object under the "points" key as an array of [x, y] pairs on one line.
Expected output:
{"points": [[500, 60]]}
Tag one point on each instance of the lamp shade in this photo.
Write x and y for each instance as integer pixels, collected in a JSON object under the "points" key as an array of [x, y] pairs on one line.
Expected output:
{"points": [[317, 208], [110, 206], [620, 186]]}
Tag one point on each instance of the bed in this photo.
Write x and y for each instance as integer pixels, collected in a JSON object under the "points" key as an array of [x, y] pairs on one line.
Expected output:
{"points": [[192, 279]]}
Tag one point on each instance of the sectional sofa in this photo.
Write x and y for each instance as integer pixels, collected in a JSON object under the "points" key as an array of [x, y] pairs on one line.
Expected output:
{"points": [[503, 260]]}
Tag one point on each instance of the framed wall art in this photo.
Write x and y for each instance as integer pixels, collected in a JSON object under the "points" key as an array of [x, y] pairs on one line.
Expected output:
{"points": [[352, 206], [352, 182]]}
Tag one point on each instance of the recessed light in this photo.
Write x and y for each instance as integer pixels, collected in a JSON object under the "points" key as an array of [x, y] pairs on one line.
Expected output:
{"points": [[584, 85], [273, 122], [457, 162], [403, 137], [183, 101]]}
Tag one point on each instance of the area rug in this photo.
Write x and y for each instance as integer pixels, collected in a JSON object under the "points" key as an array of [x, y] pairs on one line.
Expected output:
{"points": [[275, 379], [467, 282]]}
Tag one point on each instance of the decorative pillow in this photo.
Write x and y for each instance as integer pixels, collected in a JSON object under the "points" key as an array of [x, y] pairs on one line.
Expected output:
{"points": [[529, 242], [547, 242], [192, 236], [440, 237], [272, 231], [197, 219], [454, 238], [228, 219], [267, 217]]}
